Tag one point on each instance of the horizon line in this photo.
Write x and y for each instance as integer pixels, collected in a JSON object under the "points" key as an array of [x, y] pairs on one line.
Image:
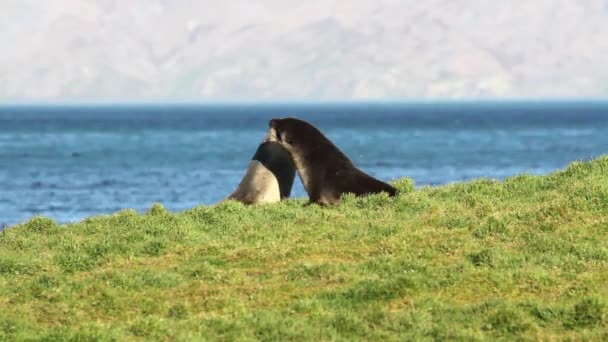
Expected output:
{"points": [[239, 102]]}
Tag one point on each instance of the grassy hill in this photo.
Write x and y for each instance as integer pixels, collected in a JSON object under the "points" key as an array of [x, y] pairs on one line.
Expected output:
{"points": [[524, 258]]}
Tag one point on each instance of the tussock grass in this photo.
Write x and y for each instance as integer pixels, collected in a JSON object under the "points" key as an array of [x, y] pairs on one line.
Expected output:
{"points": [[526, 258]]}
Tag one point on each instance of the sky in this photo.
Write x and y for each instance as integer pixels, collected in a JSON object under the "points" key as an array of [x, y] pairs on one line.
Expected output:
{"points": [[209, 50]]}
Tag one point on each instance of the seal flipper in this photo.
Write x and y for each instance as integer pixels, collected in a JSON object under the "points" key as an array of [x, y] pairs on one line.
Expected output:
{"points": [[269, 177], [361, 184]]}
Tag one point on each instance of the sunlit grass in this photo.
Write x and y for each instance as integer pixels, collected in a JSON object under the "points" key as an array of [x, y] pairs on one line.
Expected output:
{"points": [[524, 258]]}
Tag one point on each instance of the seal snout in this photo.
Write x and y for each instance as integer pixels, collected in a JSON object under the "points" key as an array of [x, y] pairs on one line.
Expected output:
{"points": [[272, 135]]}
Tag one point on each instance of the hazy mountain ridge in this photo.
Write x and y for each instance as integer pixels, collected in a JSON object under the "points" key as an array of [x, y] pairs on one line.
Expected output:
{"points": [[146, 50]]}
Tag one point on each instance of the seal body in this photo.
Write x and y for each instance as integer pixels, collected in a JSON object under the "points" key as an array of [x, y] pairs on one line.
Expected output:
{"points": [[325, 171], [269, 177]]}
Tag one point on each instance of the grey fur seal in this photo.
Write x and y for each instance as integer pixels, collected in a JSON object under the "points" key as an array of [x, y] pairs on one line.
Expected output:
{"points": [[325, 171], [269, 177]]}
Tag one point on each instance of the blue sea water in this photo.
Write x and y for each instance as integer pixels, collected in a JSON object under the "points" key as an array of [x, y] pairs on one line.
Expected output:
{"points": [[71, 162]]}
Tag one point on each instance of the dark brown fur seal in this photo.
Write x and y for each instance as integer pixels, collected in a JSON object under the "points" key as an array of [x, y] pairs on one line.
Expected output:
{"points": [[269, 177], [325, 171]]}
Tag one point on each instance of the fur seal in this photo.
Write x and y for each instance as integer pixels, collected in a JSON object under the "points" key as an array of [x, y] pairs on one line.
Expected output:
{"points": [[325, 171], [269, 177]]}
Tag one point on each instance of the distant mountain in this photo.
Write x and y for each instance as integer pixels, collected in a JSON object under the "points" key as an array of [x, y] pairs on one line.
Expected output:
{"points": [[358, 49]]}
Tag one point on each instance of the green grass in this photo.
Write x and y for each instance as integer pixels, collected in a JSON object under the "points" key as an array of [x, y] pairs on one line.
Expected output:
{"points": [[526, 258]]}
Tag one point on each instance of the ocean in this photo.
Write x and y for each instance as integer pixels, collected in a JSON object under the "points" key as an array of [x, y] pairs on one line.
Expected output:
{"points": [[75, 161]]}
